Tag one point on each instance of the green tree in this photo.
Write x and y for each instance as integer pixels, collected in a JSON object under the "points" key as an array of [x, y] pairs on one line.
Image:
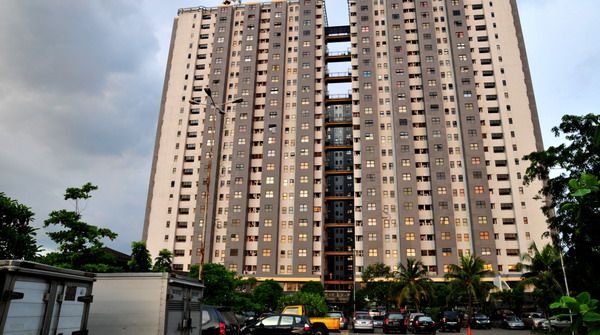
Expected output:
{"points": [[194, 271], [224, 287], [17, 236], [163, 262], [312, 286], [315, 304], [541, 269], [467, 277], [141, 261], [440, 295], [267, 295], [79, 243], [376, 282], [514, 298], [412, 283], [573, 222]]}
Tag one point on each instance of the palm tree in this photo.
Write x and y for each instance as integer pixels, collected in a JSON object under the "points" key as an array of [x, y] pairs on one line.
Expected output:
{"points": [[540, 269], [467, 277], [412, 282], [163, 261]]}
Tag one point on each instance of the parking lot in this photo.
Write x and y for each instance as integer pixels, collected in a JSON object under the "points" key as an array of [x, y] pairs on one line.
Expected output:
{"points": [[493, 331]]}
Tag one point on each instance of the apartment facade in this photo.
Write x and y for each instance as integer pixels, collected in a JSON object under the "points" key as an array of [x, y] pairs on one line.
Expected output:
{"points": [[418, 158]]}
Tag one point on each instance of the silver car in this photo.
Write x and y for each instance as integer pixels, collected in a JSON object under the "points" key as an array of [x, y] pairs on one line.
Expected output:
{"points": [[378, 321], [363, 323], [557, 324], [513, 322], [533, 320]]}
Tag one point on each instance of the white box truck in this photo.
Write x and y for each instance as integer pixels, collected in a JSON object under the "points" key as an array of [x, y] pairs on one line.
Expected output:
{"points": [[145, 303], [39, 299]]}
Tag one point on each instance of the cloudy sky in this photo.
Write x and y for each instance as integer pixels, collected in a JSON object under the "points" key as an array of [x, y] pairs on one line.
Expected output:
{"points": [[80, 85]]}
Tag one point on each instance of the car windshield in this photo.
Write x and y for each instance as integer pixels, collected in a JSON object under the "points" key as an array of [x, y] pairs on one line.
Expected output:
{"points": [[480, 317], [378, 317], [363, 317], [335, 314], [395, 316], [424, 318], [512, 318]]}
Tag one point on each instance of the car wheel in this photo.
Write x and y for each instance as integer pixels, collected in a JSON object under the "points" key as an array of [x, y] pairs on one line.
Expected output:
{"points": [[320, 330]]}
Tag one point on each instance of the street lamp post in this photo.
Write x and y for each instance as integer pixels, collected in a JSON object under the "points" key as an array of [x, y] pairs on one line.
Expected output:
{"points": [[215, 108]]}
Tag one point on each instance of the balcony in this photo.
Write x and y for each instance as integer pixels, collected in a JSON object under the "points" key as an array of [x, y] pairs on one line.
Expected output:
{"points": [[338, 56], [338, 77], [337, 34]]}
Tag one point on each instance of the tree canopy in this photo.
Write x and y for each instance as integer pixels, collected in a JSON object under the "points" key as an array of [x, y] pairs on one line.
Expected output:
{"points": [[412, 284], [224, 287], [141, 261], [572, 221], [79, 244], [376, 284], [267, 294], [312, 286], [17, 236], [542, 269], [467, 277], [163, 262]]}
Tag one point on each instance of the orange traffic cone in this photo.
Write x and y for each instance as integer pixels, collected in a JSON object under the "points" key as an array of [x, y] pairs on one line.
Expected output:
{"points": [[469, 330]]}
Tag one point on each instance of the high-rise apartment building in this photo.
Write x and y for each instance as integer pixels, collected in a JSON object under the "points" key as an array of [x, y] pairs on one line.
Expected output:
{"points": [[417, 156]]}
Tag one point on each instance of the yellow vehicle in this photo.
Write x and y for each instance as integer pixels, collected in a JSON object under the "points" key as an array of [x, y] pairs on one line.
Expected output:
{"points": [[320, 325]]}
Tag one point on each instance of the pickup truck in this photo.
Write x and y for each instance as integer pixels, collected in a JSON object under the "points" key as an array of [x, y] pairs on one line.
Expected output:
{"points": [[320, 325]]}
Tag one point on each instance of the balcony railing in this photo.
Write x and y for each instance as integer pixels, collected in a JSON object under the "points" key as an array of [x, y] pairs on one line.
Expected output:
{"points": [[338, 74], [338, 53]]}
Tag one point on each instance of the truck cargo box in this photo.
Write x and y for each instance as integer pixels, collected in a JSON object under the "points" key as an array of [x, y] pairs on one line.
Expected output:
{"points": [[39, 299], [145, 303]]}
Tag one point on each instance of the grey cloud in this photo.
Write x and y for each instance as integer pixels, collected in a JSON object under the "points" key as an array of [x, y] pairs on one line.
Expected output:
{"points": [[79, 96]]}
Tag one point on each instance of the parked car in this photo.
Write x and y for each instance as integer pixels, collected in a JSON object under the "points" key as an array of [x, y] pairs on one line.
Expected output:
{"points": [[338, 314], [279, 324], [411, 319], [359, 313], [424, 324], [378, 321], [363, 322], [246, 318], [394, 322], [449, 321], [557, 324], [219, 320], [533, 320], [512, 322], [481, 321], [374, 311]]}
